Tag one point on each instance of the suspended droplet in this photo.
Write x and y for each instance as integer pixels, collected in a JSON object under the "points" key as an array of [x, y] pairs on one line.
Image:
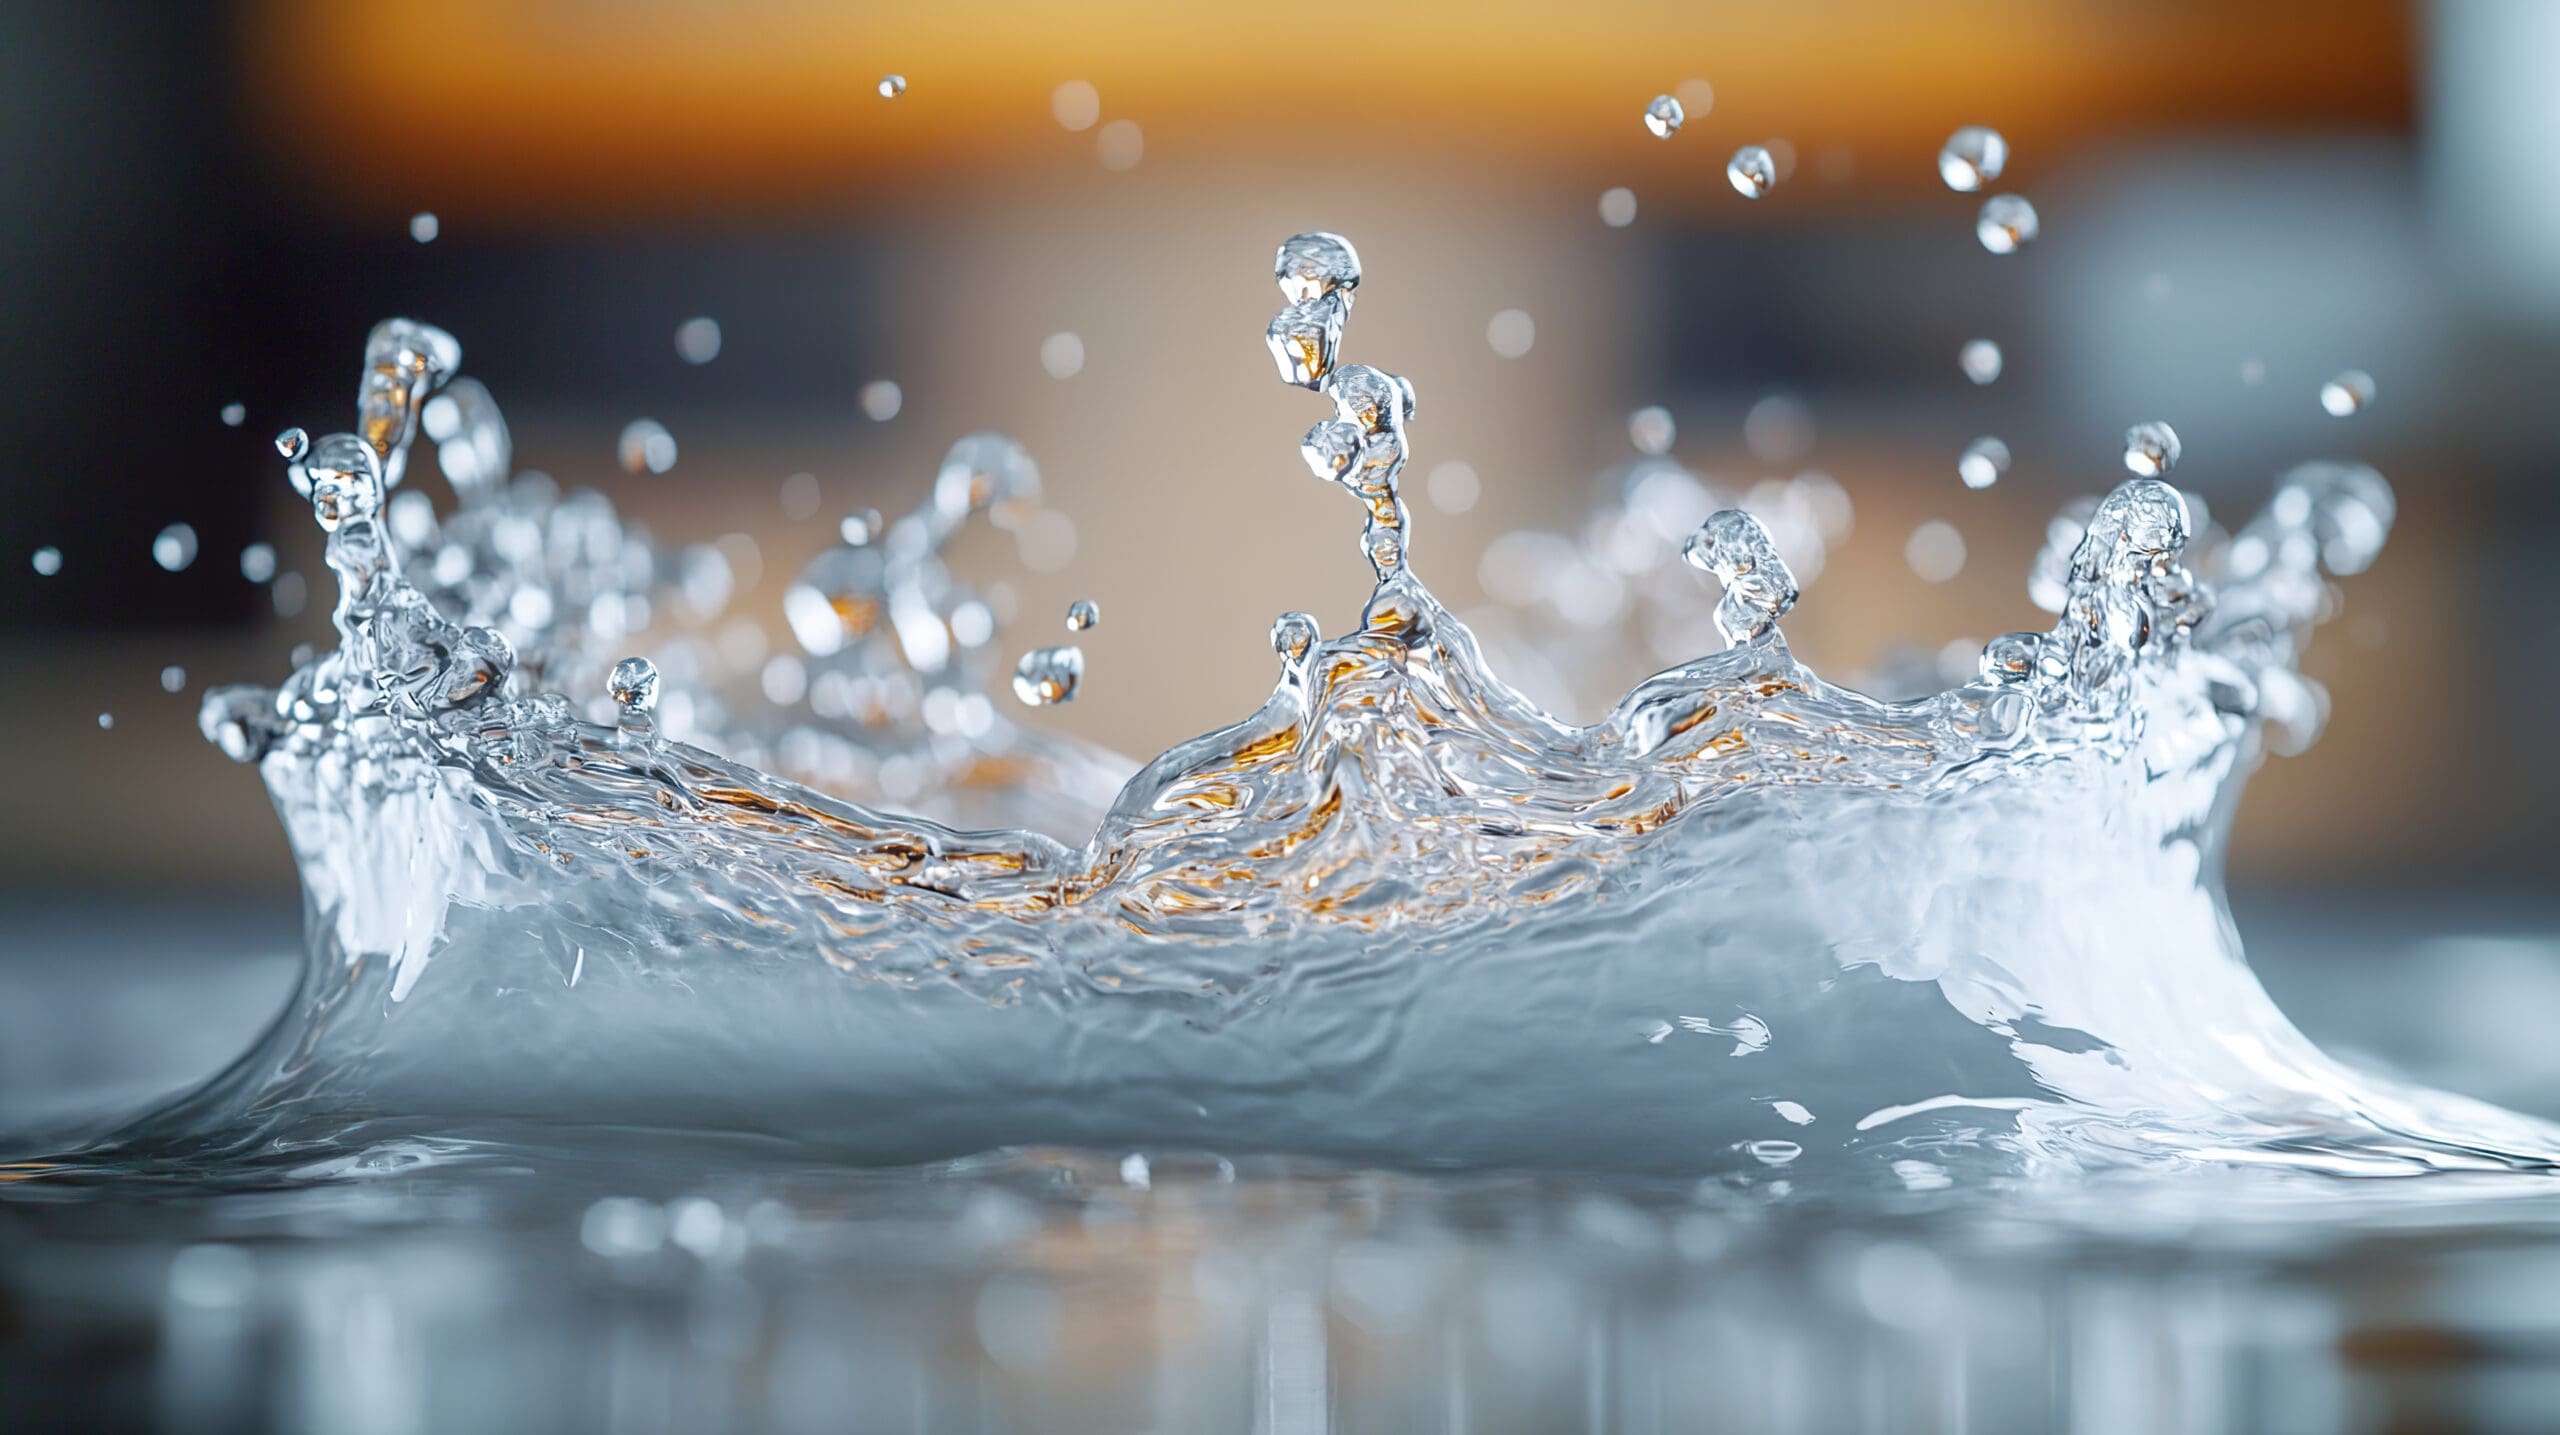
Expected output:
{"points": [[173, 678], [1984, 460], [1082, 615], [1046, 676], [698, 339], [293, 444], [106, 721], [1651, 430], [175, 547], [1972, 158], [48, 561], [634, 686], [1076, 104], [1062, 354], [1751, 171], [1618, 207], [1453, 485], [1758, 589], [1120, 145], [1314, 264], [881, 400], [860, 527], [646, 447], [2348, 393], [2151, 449], [424, 226], [258, 562], [1981, 359], [234, 415], [1664, 117], [1935, 551], [2007, 224], [1511, 332], [892, 86]]}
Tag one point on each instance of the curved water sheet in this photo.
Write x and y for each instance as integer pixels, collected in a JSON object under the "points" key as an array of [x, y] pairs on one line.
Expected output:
{"points": [[1750, 924]]}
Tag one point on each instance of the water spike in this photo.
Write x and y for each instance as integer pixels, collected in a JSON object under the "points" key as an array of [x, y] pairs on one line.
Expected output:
{"points": [[342, 476], [404, 361], [1362, 446], [1758, 589], [634, 690]]}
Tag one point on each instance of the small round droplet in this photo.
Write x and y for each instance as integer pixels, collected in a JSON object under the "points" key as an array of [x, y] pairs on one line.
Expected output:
{"points": [[1982, 463], [293, 444], [1664, 117], [106, 721], [1751, 171], [1618, 207], [1082, 615], [2151, 449], [1981, 359], [1314, 264], [234, 415], [634, 686], [258, 562], [173, 679], [1046, 676], [1651, 430], [646, 447], [859, 527], [175, 547], [881, 400], [2348, 393], [1935, 551], [892, 86], [1972, 158], [698, 339], [1511, 332], [1120, 145], [424, 226], [2007, 224], [48, 561], [1454, 485], [1077, 105], [1062, 354]]}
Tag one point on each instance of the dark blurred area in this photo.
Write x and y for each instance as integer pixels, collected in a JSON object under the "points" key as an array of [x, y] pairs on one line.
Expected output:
{"points": [[211, 203]]}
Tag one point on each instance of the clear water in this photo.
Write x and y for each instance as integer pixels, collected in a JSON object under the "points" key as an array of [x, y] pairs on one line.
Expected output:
{"points": [[1750, 926]]}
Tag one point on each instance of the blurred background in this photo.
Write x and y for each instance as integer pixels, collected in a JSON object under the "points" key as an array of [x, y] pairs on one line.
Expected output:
{"points": [[210, 203]]}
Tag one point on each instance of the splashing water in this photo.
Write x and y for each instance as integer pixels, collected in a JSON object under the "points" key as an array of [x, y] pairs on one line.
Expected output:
{"points": [[1398, 913]]}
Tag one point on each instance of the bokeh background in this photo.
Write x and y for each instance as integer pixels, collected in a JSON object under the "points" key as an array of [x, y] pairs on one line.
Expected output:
{"points": [[209, 203]]}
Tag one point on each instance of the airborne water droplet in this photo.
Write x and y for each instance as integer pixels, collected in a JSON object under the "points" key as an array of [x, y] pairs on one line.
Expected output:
{"points": [[2348, 393], [48, 561], [1984, 460], [892, 86], [1972, 158], [2007, 224], [881, 400], [1618, 207], [1935, 551], [1082, 614], [634, 686], [172, 678], [175, 548], [1120, 145], [1048, 675], [698, 339], [1982, 360], [646, 447], [234, 415], [2151, 449], [1077, 105], [258, 562], [293, 444], [424, 226], [1751, 172], [1664, 117], [1511, 332], [106, 721], [1062, 354], [1651, 430]]}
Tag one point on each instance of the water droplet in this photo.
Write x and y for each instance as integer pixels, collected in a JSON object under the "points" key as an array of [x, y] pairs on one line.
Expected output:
{"points": [[801, 496], [1981, 359], [1618, 207], [1046, 676], [258, 562], [1773, 1153], [48, 561], [1306, 337], [1972, 158], [1751, 171], [424, 227], [646, 447], [2348, 393], [881, 400], [2007, 224], [1664, 117], [1651, 430], [1120, 145], [1082, 614], [1778, 428], [289, 594], [633, 686], [293, 444], [1314, 264], [1511, 332], [1984, 460], [106, 720], [1077, 105], [173, 678], [2151, 449], [1935, 551], [175, 547], [698, 339], [892, 86], [1453, 485], [1062, 354], [1758, 589], [234, 415], [859, 527]]}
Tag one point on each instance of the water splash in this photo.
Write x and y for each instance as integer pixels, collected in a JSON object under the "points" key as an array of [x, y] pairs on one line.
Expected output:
{"points": [[1398, 913]]}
